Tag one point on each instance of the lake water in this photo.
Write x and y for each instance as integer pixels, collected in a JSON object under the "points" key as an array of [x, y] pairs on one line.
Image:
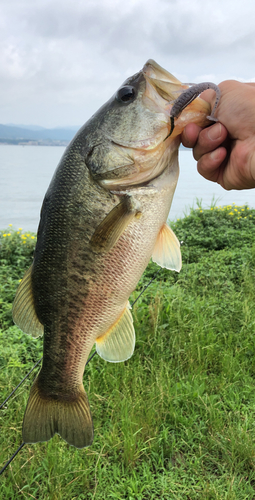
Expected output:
{"points": [[26, 171]]}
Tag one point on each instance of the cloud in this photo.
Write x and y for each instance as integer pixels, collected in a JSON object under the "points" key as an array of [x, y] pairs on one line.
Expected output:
{"points": [[60, 60]]}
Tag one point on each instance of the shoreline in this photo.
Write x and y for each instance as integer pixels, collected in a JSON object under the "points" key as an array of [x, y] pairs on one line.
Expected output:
{"points": [[17, 142]]}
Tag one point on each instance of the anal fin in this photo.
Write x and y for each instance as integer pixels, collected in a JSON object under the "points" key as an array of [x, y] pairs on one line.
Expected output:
{"points": [[23, 310], [118, 343], [167, 251]]}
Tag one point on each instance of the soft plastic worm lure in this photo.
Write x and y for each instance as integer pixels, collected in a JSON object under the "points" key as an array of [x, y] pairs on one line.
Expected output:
{"points": [[188, 95]]}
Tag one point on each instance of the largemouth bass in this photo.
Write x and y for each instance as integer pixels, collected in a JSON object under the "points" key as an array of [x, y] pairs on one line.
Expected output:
{"points": [[103, 218]]}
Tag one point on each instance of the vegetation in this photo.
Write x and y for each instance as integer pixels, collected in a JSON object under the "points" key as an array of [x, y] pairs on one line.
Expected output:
{"points": [[176, 421]]}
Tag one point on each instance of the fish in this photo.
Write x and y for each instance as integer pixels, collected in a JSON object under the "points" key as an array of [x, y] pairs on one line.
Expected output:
{"points": [[104, 216]]}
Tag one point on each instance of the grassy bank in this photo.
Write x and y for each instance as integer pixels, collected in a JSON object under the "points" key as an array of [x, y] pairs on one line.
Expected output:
{"points": [[176, 421]]}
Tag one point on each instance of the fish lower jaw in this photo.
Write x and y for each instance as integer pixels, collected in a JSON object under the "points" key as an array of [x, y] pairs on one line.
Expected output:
{"points": [[121, 186], [148, 144], [141, 177]]}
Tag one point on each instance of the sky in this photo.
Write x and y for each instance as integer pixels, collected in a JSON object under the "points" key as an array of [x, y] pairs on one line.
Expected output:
{"points": [[60, 60]]}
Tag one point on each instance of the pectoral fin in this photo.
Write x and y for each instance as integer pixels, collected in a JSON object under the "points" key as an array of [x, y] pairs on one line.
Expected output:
{"points": [[113, 226], [118, 343], [23, 310], [167, 252]]}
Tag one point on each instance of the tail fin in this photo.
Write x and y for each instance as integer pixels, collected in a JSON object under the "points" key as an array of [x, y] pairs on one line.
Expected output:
{"points": [[45, 415]]}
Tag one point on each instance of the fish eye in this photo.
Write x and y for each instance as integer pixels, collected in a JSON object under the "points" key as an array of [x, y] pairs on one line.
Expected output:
{"points": [[126, 94]]}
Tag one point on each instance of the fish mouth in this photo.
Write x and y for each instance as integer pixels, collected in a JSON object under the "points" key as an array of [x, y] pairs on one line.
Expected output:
{"points": [[148, 157], [162, 88], [166, 84]]}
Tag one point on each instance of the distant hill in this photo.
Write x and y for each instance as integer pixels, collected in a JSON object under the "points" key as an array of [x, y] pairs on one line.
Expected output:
{"points": [[14, 134], [21, 134]]}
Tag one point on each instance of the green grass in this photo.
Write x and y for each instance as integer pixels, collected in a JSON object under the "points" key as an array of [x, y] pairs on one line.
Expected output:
{"points": [[176, 421]]}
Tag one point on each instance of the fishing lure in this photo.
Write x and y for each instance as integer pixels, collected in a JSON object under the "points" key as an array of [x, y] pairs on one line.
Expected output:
{"points": [[188, 95]]}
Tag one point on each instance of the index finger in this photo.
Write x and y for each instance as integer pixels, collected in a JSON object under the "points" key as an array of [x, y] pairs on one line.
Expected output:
{"points": [[209, 139], [190, 135]]}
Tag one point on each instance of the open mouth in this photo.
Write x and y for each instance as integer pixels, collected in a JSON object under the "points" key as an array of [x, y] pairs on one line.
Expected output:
{"points": [[168, 93]]}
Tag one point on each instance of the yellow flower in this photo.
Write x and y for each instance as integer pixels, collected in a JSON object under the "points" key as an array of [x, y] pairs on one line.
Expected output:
{"points": [[231, 213], [9, 234], [20, 228], [4, 235], [32, 237], [18, 232], [10, 224]]}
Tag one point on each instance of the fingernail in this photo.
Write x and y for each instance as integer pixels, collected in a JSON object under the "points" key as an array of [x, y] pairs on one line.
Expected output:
{"points": [[214, 132], [214, 155]]}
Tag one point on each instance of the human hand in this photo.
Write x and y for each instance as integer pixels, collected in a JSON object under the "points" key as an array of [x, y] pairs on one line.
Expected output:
{"points": [[225, 151]]}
